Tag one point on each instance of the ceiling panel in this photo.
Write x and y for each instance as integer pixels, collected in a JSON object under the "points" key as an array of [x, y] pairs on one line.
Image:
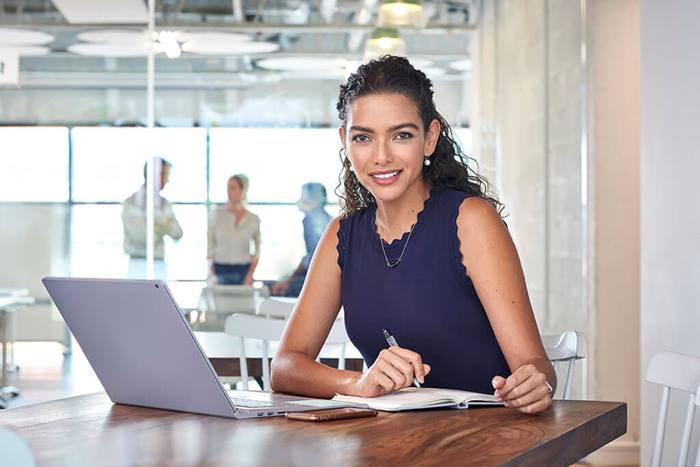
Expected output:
{"points": [[103, 11]]}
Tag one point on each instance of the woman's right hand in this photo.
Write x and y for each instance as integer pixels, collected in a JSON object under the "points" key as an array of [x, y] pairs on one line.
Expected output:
{"points": [[393, 369]]}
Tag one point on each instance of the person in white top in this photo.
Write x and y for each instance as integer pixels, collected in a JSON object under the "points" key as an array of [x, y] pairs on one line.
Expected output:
{"points": [[234, 237], [134, 221]]}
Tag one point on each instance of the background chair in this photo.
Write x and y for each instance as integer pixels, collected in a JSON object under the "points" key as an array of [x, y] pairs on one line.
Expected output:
{"points": [[277, 307], [565, 348], [681, 372], [270, 330]]}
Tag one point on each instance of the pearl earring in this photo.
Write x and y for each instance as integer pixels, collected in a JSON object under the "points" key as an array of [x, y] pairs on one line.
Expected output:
{"points": [[426, 161]]}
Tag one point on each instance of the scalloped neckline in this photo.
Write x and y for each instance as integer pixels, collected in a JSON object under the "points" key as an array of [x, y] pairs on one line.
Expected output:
{"points": [[400, 240]]}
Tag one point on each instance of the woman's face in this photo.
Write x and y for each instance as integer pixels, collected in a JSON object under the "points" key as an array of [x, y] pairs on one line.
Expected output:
{"points": [[385, 141], [235, 191]]}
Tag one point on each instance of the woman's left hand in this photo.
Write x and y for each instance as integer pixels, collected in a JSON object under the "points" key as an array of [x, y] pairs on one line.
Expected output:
{"points": [[526, 390]]}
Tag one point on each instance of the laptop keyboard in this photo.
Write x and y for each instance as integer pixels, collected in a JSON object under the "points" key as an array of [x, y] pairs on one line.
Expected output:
{"points": [[250, 403]]}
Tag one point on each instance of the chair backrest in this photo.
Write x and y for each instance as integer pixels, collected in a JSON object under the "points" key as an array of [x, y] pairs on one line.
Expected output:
{"points": [[277, 307], [268, 330], [565, 348], [229, 299], [680, 372]]}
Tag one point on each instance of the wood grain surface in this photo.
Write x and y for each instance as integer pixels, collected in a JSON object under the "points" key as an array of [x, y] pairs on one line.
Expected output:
{"points": [[232, 367], [90, 430]]}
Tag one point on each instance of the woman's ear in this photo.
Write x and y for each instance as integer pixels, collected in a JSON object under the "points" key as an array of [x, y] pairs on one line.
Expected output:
{"points": [[432, 137], [341, 133]]}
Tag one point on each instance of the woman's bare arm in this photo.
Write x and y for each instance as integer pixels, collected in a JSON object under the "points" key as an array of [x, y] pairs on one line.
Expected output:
{"points": [[294, 368], [492, 263]]}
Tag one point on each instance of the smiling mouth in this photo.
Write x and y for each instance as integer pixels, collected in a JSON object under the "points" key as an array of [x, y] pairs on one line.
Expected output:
{"points": [[385, 175]]}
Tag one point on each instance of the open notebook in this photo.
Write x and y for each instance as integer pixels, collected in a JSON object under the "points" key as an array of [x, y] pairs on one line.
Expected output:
{"points": [[422, 398]]}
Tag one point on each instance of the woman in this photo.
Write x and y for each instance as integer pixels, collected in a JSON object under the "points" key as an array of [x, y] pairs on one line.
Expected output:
{"points": [[232, 231], [420, 248]]}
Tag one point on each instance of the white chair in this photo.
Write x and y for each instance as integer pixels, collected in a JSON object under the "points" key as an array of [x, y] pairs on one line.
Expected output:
{"points": [[565, 348], [270, 330], [277, 307], [674, 371]]}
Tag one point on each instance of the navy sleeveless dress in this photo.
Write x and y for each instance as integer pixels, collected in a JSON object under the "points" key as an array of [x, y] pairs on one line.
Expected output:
{"points": [[427, 301]]}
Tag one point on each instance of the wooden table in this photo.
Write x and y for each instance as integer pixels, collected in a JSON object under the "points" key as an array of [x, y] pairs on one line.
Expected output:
{"points": [[90, 430]]}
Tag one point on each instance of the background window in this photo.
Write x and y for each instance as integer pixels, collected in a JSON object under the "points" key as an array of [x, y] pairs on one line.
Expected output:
{"points": [[282, 239], [108, 162], [34, 164], [277, 161]]}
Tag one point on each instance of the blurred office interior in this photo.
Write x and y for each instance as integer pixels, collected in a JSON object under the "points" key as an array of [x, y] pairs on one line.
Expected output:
{"points": [[583, 115]]}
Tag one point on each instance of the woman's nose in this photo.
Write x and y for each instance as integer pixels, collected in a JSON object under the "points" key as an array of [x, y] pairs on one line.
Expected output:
{"points": [[383, 154]]}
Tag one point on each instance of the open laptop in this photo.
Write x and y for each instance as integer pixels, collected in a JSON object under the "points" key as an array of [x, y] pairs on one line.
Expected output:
{"points": [[144, 352]]}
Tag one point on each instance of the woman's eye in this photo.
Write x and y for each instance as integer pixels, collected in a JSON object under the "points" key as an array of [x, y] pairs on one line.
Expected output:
{"points": [[360, 138], [404, 135]]}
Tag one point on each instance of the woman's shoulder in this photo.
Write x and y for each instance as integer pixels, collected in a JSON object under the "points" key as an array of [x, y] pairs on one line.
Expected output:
{"points": [[353, 218], [477, 213]]}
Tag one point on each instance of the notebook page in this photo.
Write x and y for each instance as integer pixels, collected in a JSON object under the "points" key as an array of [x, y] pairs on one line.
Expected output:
{"points": [[468, 396], [405, 399]]}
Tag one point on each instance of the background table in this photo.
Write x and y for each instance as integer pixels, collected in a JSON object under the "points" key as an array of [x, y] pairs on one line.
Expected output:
{"points": [[89, 430], [10, 300], [223, 353]]}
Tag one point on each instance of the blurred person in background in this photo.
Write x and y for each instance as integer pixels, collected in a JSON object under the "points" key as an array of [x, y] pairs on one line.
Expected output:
{"points": [[233, 237], [312, 204], [134, 222]]}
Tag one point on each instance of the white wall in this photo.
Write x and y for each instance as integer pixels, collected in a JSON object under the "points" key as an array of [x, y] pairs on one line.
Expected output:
{"points": [[528, 118], [670, 215], [613, 89]]}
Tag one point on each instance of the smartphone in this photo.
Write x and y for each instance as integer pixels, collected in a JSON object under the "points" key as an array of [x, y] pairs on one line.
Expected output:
{"points": [[331, 414]]}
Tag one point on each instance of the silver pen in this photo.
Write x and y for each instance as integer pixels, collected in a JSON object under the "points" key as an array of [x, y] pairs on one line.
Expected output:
{"points": [[392, 343]]}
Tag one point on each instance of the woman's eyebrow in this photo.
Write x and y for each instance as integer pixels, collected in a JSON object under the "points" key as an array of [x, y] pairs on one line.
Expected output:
{"points": [[362, 129], [393, 128], [404, 125]]}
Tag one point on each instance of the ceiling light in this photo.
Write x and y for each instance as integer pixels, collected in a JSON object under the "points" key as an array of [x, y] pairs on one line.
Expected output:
{"points": [[400, 13], [384, 41], [113, 50], [9, 36], [169, 43], [114, 36], [462, 65]]}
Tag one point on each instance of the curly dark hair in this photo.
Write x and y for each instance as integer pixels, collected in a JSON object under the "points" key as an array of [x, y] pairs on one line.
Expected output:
{"points": [[450, 166]]}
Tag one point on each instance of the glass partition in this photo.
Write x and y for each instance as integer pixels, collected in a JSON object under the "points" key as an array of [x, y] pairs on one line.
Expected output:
{"points": [[34, 165], [278, 161]]}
